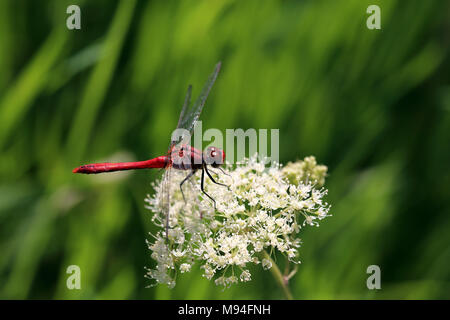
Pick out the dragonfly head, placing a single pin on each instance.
(214, 156)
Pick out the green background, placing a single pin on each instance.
(373, 105)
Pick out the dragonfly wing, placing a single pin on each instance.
(187, 102)
(164, 199)
(183, 138)
(188, 119)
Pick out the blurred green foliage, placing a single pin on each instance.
(371, 104)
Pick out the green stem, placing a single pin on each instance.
(279, 277)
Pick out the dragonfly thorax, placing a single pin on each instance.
(186, 157)
(214, 157)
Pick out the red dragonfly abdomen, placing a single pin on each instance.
(159, 162)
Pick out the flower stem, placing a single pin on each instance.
(279, 277)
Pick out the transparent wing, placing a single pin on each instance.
(187, 102)
(164, 199)
(183, 138)
(189, 118)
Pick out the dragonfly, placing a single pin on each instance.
(180, 155)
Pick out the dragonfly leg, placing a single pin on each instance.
(202, 185)
(184, 180)
(211, 170)
(212, 179)
(223, 171)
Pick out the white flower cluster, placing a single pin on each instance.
(262, 210)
